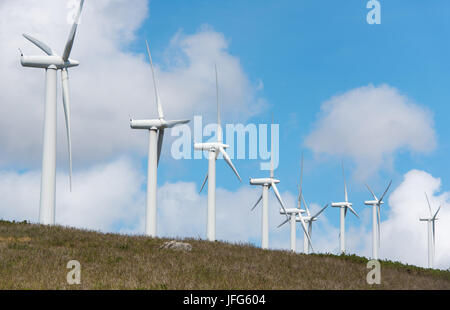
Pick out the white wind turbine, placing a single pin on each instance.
(295, 215)
(156, 129)
(431, 233)
(214, 149)
(376, 204)
(309, 219)
(52, 62)
(344, 206)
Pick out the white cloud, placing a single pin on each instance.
(104, 197)
(403, 236)
(19, 194)
(369, 124)
(110, 82)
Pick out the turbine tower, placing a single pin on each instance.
(52, 62)
(431, 233)
(295, 215)
(376, 204)
(156, 129)
(214, 149)
(344, 206)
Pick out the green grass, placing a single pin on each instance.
(35, 257)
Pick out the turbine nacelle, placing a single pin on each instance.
(373, 202)
(425, 220)
(146, 124)
(208, 146)
(47, 61)
(291, 211)
(154, 123)
(307, 219)
(428, 219)
(341, 204)
(264, 181)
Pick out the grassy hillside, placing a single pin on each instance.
(35, 257)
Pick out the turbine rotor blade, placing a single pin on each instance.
(204, 182)
(228, 161)
(285, 221)
(434, 217)
(219, 126)
(217, 154)
(318, 213)
(171, 124)
(271, 150)
(44, 47)
(217, 95)
(301, 183)
(305, 230)
(345, 184)
(160, 142)
(306, 206)
(73, 31)
(277, 194)
(158, 100)
(387, 188)
(256, 204)
(219, 134)
(353, 211)
(66, 105)
(373, 194)
(429, 206)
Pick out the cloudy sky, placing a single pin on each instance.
(373, 96)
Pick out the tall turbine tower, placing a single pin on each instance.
(431, 233)
(214, 148)
(344, 206)
(376, 204)
(156, 129)
(295, 215)
(52, 63)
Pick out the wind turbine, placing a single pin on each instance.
(156, 129)
(344, 206)
(431, 233)
(376, 204)
(309, 219)
(52, 62)
(214, 149)
(294, 215)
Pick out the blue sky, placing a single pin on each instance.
(306, 52)
(309, 56)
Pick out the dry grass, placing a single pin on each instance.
(35, 257)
